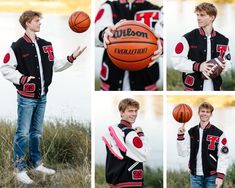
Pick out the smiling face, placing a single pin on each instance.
(34, 24)
(129, 114)
(204, 115)
(203, 19)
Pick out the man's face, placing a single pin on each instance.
(35, 24)
(129, 114)
(204, 114)
(204, 19)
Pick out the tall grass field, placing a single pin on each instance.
(65, 146)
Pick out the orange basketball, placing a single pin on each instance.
(132, 45)
(79, 21)
(182, 113)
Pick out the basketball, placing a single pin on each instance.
(132, 46)
(79, 21)
(182, 113)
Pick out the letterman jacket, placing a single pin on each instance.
(22, 61)
(191, 51)
(110, 13)
(214, 150)
(127, 172)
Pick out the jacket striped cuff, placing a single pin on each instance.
(23, 80)
(220, 175)
(196, 67)
(180, 136)
(140, 134)
(70, 58)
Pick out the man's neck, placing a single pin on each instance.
(31, 34)
(208, 30)
(203, 124)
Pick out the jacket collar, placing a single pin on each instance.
(207, 126)
(126, 123)
(202, 32)
(27, 39)
(136, 1)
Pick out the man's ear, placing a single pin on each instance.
(213, 18)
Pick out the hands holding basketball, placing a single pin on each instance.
(131, 45)
(109, 33)
(156, 54)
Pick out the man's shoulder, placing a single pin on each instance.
(43, 41)
(192, 129)
(216, 129)
(218, 34)
(193, 32)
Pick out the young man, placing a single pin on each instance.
(110, 13)
(29, 65)
(197, 47)
(126, 149)
(208, 150)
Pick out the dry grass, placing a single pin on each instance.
(66, 147)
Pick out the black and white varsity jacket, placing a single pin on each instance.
(191, 51)
(126, 172)
(22, 61)
(111, 12)
(214, 150)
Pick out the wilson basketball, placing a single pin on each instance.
(182, 113)
(132, 45)
(79, 21)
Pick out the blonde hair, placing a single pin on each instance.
(128, 102)
(28, 16)
(206, 105)
(209, 8)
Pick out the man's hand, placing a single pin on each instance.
(109, 33)
(218, 182)
(138, 130)
(30, 78)
(206, 67)
(156, 54)
(78, 52)
(181, 130)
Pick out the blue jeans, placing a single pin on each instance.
(202, 182)
(28, 131)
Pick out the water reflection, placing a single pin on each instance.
(149, 118)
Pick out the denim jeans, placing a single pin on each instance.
(28, 131)
(202, 182)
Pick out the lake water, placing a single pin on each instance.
(70, 92)
(105, 113)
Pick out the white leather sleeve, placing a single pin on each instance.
(137, 147)
(8, 68)
(223, 155)
(61, 64)
(105, 20)
(180, 59)
(183, 146)
(227, 58)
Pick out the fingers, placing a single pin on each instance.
(78, 51)
(30, 78)
(82, 50)
(151, 64)
(108, 33)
